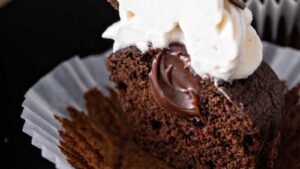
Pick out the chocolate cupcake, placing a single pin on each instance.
(193, 86)
(222, 109)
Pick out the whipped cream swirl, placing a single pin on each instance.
(217, 34)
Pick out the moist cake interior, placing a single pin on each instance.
(226, 134)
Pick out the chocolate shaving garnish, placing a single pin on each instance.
(238, 3)
(173, 85)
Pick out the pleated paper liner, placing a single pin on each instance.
(284, 61)
(66, 85)
(277, 21)
(62, 87)
(289, 10)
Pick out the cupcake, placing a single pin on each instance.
(192, 84)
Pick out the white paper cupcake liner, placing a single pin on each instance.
(287, 9)
(66, 84)
(284, 61)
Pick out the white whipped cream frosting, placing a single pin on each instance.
(217, 34)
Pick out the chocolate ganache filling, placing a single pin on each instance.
(173, 84)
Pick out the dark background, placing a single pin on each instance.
(36, 35)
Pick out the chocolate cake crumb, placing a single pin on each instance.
(99, 139)
(243, 131)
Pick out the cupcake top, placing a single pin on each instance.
(217, 33)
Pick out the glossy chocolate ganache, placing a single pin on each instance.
(172, 83)
(177, 88)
